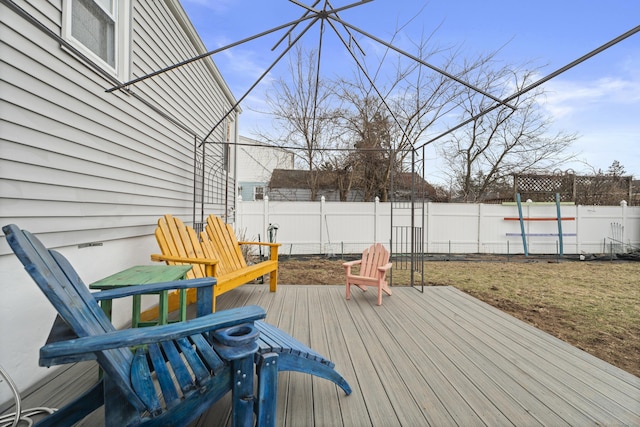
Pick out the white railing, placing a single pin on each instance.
(348, 227)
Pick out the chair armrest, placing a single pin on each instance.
(273, 248)
(205, 261)
(347, 266)
(351, 263)
(385, 267)
(58, 352)
(273, 245)
(128, 291)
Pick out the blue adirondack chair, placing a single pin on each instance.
(195, 362)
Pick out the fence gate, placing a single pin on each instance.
(408, 225)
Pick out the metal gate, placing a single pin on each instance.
(407, 227)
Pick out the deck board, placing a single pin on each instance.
(369, 362)
(453, 364)
(351, 413)
(439, 358)
(323, 409)
(566, 373)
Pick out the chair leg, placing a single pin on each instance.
(242, 392)
(348, 290)
(267, 372)
(273, 280)
(386, 288)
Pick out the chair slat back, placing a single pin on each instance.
(210, 251)
(372, 258)
(176, 239)
(224, 239)
(61, 284)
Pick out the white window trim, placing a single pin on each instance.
(122, 67)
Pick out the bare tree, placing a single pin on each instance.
(369, 130)
(505, 141)
(342, 169)
(305, 114)
(385, 112)
(389, 109)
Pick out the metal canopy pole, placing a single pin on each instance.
(413, 219)
(206, 54)
(373, 85)
(420, 61)
(330, 15)
(273, 64)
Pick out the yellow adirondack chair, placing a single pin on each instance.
(218, 254)
(180, 245)
(373, 268)
(222, 240)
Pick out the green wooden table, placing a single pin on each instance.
(145, 274)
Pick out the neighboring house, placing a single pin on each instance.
(89, 171)
(255, 165)
(293, 185)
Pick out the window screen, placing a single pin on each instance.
(93, 24)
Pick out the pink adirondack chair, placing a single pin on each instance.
(373, 268)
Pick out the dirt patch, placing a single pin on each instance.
(311, 271)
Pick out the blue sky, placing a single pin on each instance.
(599, 99)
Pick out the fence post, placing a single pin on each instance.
(427, 236)
(578, 216)
(480, 213)
(322, 224)
(623, 205)
(376, 212)
(239, 216)
(265, 216)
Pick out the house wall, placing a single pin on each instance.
(255, 165)
(79, 165)
(459, 228)
(247, 189)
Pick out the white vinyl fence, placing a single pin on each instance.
(348, 227)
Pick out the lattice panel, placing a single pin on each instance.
(543, 188)
(582, 190)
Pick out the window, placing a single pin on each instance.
(258, 193)
(100, 29)
(93, 25)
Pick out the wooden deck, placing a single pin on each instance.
(440, 358)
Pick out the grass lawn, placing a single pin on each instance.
(594, 305)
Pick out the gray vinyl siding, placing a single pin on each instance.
(79, 164)
(201, 103)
